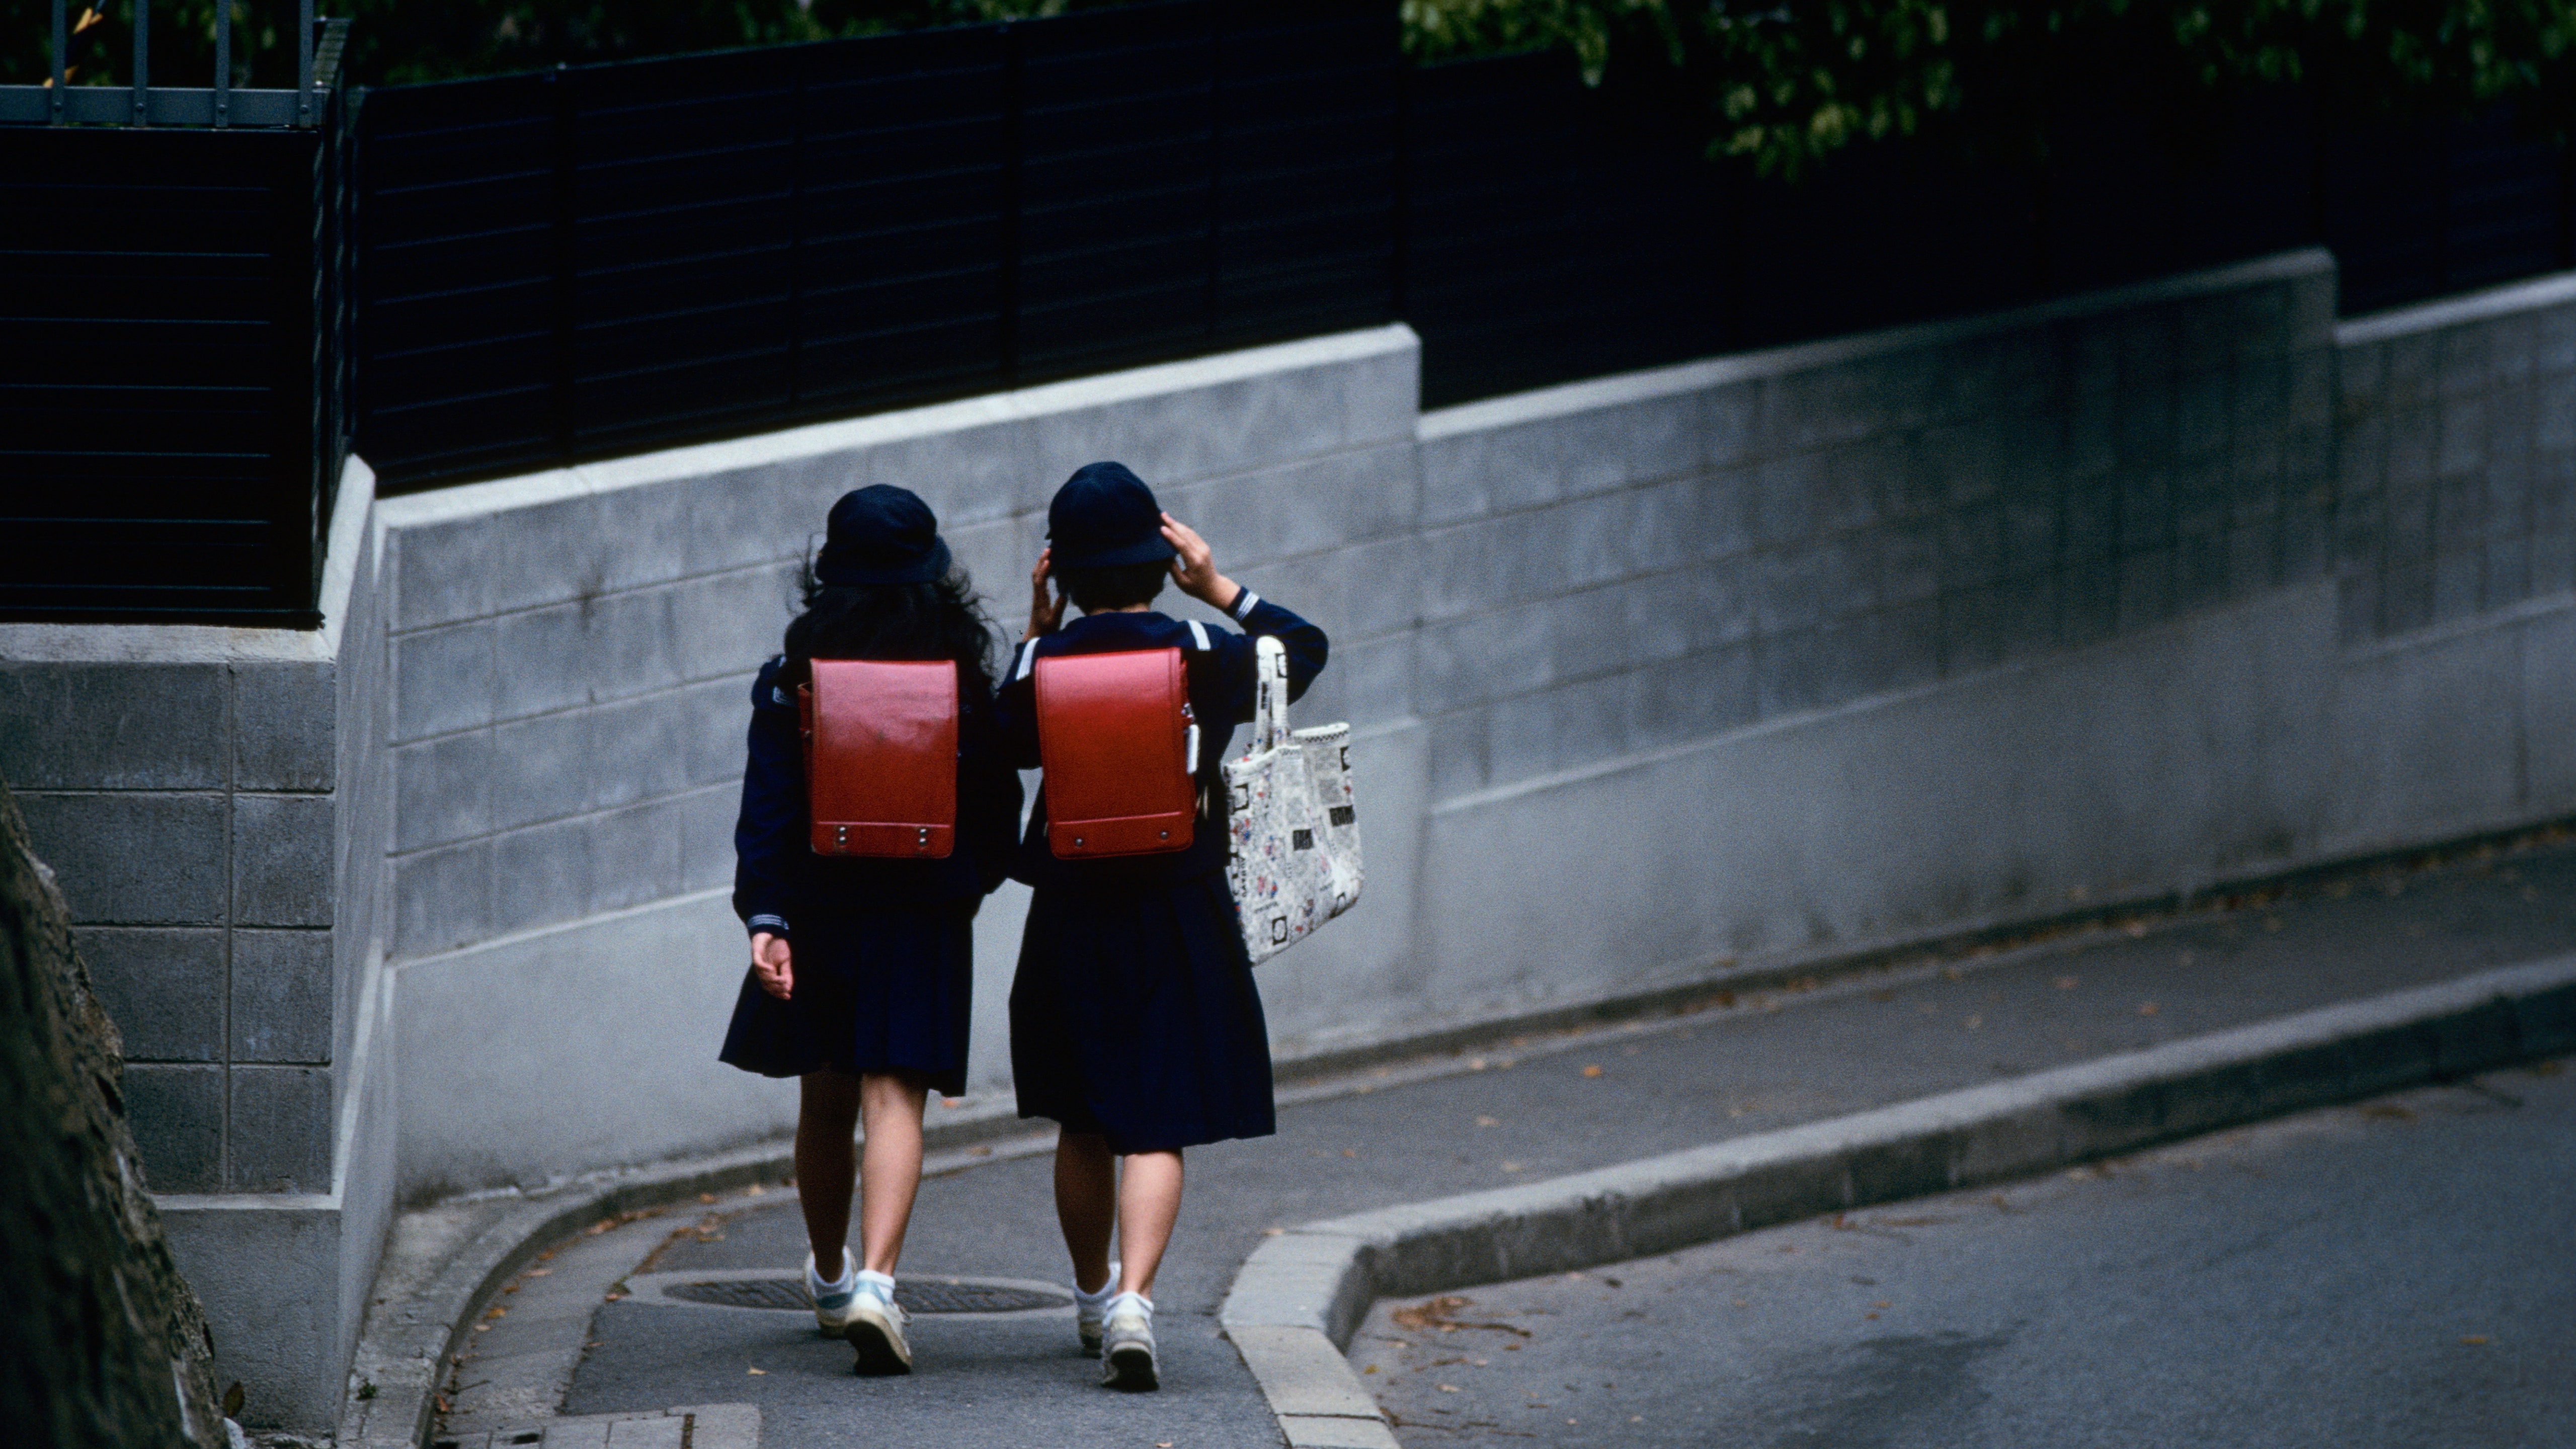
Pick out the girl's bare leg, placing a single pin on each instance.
(890, 1168)
(1086, 1204)
(1149, 1202)
(827, 1114)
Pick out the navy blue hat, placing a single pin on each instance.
(1105, 515)
(881, 535)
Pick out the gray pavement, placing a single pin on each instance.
(2398, 1273)
(1519, 1110)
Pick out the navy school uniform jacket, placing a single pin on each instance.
(1218, 665)
(778, 879)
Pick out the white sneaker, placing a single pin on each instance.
(876, 1327)
(831, 1300)
(1090, 1308)
(1127, 1344)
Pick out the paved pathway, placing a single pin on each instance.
(1517, 1111)
(2383, 1276)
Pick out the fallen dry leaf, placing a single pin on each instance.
(1591, 1071)
(2064, 983)
(1440, 1313)
(2474, 1340)
(761, 1373)
(1447, 1388)
(2148, 1008)
(1488, 1122)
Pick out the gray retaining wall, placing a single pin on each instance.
(213, 801)
(1653, 677)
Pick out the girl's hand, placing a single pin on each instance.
(1195, 569)
(1046, 608)
(769, 962)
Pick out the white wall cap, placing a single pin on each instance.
(2494, 302)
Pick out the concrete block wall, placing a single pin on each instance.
(1626, 564)
(571, 659)
(200, 793)
(2458, 459)
(212, 800)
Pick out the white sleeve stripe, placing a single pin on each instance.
(1199, 636)
(1243, 606)
(1028, 659)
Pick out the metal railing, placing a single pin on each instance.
(223, 104)
(176, 301)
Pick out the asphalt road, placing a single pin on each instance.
(2400, 1273)
(1529, 1108)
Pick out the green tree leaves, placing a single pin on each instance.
(1790, 82)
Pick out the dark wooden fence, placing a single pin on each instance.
(173, 369)
(595, 260)
(606, 259)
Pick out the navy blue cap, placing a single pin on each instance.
(1105, 515)
(881, 535)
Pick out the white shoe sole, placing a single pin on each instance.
(1130, 1366)
(880, 1345)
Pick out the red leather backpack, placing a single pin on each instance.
(881, 757)
(1116, 740)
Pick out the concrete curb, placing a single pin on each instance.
(445, 1261)
(1299, 1296)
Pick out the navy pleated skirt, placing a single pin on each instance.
(875, 991)
(1134, 1015)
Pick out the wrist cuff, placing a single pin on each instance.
(774, 925)
(1244, 602)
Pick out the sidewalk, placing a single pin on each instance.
(1521, 1110)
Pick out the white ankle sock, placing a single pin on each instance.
(1142, 1303)
(880, 1284)
(1106, 1292)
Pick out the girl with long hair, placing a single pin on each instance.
(862, 970)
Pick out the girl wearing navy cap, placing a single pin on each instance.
(1134, 1021)
(862, 968)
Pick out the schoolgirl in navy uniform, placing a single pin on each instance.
(862, 969)
(1135, 1024)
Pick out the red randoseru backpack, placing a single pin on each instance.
(1116, 739)
(881, 757)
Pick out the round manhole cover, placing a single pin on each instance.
(914, 1295)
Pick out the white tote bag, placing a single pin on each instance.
(1293, 835)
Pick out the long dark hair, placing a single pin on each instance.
(941, 619)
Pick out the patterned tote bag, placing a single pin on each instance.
(1293, 859)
